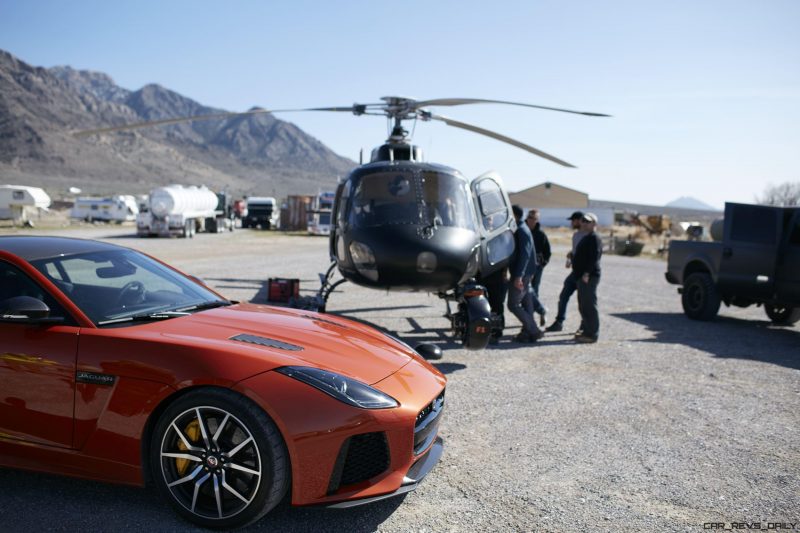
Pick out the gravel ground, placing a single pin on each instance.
(664, 425)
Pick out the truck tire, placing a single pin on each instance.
(700, 297)
(782, 315)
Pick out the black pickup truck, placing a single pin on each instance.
(757, 262)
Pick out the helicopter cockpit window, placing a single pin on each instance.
(494, 211)
(411, 198)
(446, 199)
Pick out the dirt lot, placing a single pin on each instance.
(664, 425)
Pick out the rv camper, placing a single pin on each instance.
(19, 203)
(123, 208)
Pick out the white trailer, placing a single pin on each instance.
(20, 202)
(121, 208)
(179, 210)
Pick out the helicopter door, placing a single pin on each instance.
(496, 222)
(337, 219)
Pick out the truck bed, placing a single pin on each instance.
(686, 256)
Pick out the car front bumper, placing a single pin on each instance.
(411, 481)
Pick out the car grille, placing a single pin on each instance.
(361, 457)
(427, 424)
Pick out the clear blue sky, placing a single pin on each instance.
(705, 93)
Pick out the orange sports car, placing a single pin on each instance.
(117, 367)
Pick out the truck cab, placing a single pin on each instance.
(756, 263)
(262, 211)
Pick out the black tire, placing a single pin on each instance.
(249, 483)
(700, 297)
(782, 315)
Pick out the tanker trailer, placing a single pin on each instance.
(179, 210)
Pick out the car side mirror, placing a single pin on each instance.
(25, 309)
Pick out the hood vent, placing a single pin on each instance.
(325, 321)
(263, 341)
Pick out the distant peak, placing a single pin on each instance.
(687, 202)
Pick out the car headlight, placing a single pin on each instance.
(344, 389)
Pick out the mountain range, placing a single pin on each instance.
(687, 202)
(41, 108)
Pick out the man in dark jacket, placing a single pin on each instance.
(542, 246)
(586, 271)
(570, 283)
(521, 270)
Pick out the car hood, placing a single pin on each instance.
(262, 338)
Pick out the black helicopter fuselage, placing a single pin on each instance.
(405, 225)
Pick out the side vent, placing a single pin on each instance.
(264, 341)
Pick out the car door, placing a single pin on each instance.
(750, 249)
(787, 276)
(496, 223)
(37, 368)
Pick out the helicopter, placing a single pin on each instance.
(402, 224)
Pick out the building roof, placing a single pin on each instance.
(548, 185)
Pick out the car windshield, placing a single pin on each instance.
(111, 286)
(419, 197)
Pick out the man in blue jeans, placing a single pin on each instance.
(571, 281)
(521, 269)
(542, 246)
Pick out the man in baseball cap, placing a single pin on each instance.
(570, 282)
(586, 271)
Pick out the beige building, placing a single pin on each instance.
(547, 195)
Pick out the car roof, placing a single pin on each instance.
(32, 248)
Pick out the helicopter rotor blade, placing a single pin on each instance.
(464, 101)
(499, 137)
(358, 109)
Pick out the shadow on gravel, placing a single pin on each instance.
(371, 309)
(262, 296)
(78, 505)
(118, 236)
(725, 337)
(449, 368)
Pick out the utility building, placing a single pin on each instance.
(547, 194)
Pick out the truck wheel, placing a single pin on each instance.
(700, 297)
(783, 315)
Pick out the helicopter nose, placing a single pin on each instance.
(426, 262)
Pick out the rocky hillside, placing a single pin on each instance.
(41, 108)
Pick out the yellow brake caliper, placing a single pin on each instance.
(192, 432)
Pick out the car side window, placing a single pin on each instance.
(14, 282)
(794, 237)
(755, 224)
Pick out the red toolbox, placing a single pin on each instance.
(282, 289)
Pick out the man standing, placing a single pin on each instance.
(521, 270)
(570, 283)
(586, 269)
(542, 246)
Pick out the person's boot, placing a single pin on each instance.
(555, 326)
